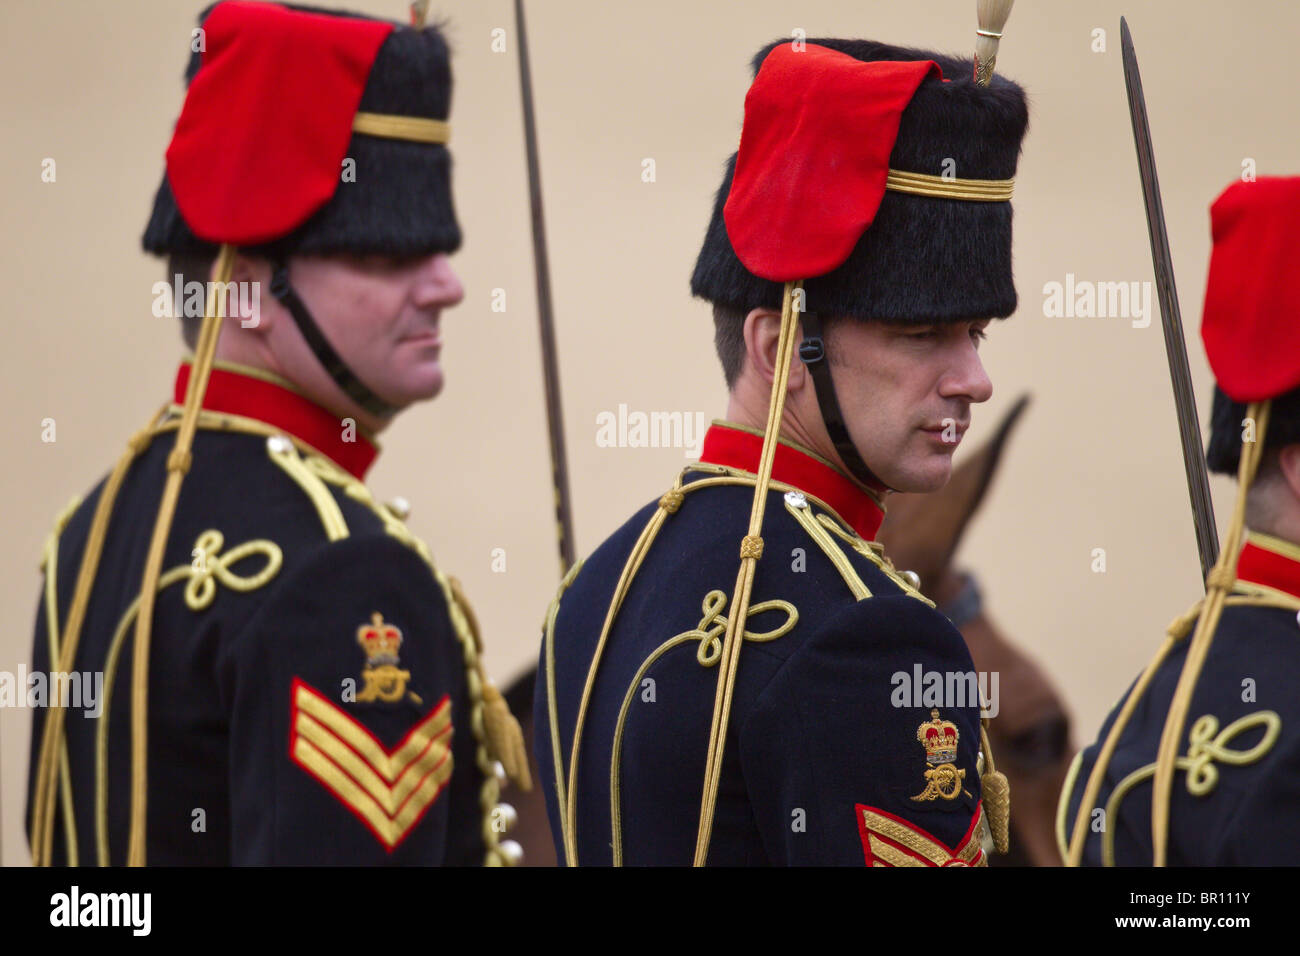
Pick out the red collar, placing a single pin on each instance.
(735, 448)
(236, 391)
(1270, 562)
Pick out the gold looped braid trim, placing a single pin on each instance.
(418, 129)
(938, 187)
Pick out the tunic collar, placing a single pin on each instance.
(735, 446)
(265, 397)
(1270, 562)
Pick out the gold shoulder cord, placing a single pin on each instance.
(708, 634)
(201, 577)
(50, 566)
(52, 740)
(552, 707)
(178, 463)
(750, 551)
(668, 505)
(801, 512)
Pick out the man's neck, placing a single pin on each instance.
(746, 409)
(318, 387)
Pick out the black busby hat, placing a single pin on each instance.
(924, 258)
(1223, 453)
(399, 202)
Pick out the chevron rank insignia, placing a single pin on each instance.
(888, 840)
(389, 790)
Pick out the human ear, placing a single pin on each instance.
(248, 299)
(762, 340)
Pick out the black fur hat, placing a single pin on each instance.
(922, 260)
(400, 203)
(1223, 454)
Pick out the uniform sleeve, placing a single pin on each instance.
(852, 754)
(1265, 829)
(350, 738)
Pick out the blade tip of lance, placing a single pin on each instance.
(419, 13)
(992, 16)
(1125, 37)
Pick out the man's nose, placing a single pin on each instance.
(438, 283)
(967, 378)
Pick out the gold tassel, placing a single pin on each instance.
(505, 738)
(997, 798)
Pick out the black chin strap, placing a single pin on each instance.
(329, 359)
(812, 352)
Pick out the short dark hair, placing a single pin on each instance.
(729, 340)
(191, 267)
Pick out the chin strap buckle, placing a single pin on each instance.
(812, 350)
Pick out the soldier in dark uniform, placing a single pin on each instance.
(1221, 689)
(291, 679)
(685, 712)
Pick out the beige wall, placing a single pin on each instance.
(1096, 463)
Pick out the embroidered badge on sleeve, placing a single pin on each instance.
(389, 790)
(384, 679)
(943, 781)
(888, 840)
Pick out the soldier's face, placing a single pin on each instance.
(906, 394)
(383, 316)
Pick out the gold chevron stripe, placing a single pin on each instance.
(389, 830)
(888, 854)
(389, 792)
(389, 765)
(880, 828)
(390, 798)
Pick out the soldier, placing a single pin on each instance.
(288, 678)
(1218, 700)
(881, 176)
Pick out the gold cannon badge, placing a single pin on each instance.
(384, 679)
(942, 778)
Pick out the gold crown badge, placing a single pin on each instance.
(940, 739)
(384, 679)
(380, 641)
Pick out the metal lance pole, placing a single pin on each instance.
(1189, 424)
(545, 315)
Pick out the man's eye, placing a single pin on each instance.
(979, 335)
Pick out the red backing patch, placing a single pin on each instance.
(1251, 323)
(814, 156)
(266, 124)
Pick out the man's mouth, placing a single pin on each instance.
(425, 337)
(949, 433)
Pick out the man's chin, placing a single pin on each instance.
(923, 477)
(417, 387)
